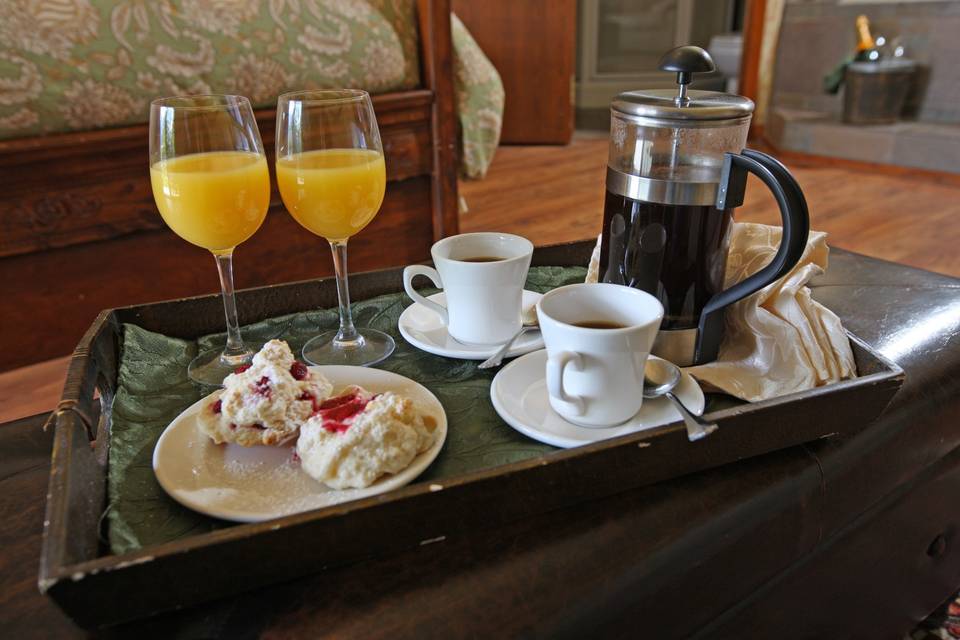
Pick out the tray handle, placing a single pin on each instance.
(91, 378)
(74, 407)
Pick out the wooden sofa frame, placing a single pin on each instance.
(79, 231)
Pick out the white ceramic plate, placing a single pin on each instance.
(252, 484)
(519, 394)
(422, 328)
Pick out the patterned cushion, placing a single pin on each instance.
(479, 102)
(68, 65)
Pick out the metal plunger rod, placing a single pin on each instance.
(684, 61)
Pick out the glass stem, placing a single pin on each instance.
(235, 347)
(347, 333)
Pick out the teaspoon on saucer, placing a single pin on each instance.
(659, 379)
(530, 323)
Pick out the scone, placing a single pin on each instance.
(266, 402)
(356, 437)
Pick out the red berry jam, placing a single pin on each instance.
(299, 370)
(257, 425)
(262, 387)
(233, 426)
(306, 395)
(338, 413)
(217, 406)
(242, 368)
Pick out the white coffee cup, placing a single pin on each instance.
(484, 299)
(595, 375)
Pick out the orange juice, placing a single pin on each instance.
(214, 200)
(333, 192)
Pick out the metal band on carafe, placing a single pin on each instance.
(660, 191)
(679, 346)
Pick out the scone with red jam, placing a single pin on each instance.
(266, 402)
(356, 437)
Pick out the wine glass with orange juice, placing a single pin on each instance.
(212, 187)
(332, 179)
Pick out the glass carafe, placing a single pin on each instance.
(676, 170)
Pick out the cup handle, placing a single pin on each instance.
(556, 365)
(411, 272)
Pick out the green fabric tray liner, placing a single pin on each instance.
(152, 389)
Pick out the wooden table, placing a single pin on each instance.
(856, 537)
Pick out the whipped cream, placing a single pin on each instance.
(267, 402)
(356, 437)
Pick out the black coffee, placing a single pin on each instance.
(678, 253)
(481, 259)
(599, 324)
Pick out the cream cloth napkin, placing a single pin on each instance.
(778, 340)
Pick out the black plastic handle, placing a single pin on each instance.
(793, 241)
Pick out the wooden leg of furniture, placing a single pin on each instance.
(437, 74)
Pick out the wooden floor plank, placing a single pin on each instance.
(30, 390)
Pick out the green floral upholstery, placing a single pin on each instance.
(69, 65)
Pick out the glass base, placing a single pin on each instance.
(372, 347)
(211, 367)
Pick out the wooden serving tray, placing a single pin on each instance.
(97, 588)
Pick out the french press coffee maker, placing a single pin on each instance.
(677, 168)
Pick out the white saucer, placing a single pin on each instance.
(519, 394)
(422, 328)
(252, 484)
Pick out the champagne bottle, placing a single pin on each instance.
(866, 51)
(866, 45)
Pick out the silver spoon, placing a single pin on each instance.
(530, 323)
(659, 379)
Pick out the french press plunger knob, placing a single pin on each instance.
(686, 61)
